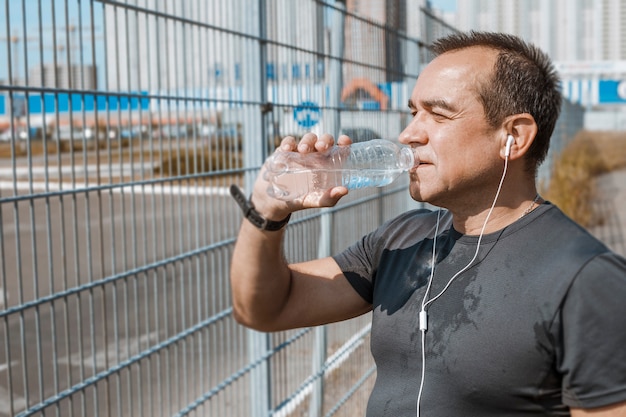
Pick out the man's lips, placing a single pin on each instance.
(421, 165)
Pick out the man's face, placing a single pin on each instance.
(459, 151)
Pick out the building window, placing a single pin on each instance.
(270, 71)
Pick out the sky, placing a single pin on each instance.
(445, 5)
(24, 26)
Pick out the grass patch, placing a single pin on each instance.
(178, 161)
(574, 171)
(50, 147)
(7, 150)
(182, 162)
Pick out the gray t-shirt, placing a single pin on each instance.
(536, 324)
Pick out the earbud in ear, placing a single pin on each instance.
(509, 142)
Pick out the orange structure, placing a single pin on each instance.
(369, 87)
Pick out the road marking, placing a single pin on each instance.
(19, 403)
(25, 172)
(153, 189)
(5, 366)
(115, 352)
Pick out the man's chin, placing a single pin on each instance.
(417, 195)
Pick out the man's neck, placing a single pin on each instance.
(503, 214)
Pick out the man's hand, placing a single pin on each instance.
(275, 209)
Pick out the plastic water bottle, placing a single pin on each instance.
(374, 163)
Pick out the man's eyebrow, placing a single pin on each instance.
(433, 103)
(438, 103)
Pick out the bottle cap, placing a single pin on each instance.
(408, 158)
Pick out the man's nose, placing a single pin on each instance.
(414, 133)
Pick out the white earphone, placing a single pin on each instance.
(509, 142)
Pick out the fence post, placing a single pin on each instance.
(332, 124)
(254, 154)
(411, 70)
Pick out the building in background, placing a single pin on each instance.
(75, 76)
(376, 46)
(585, 38)
(130, 67)
(569, 30)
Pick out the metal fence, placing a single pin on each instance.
(122, 125)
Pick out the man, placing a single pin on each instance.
(496, 305)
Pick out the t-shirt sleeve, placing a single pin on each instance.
(360, 262)
(358, 266)
(593, 361)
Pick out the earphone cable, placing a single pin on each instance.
(480, 237)
(423, 316)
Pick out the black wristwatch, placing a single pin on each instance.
(253, 216)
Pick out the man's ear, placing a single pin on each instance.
(523, 128)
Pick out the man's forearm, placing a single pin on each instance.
(260, 277)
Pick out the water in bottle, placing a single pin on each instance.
(374, 163)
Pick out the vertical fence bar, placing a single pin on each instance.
(253, 156)
(332, 123)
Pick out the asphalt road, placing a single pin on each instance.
(56, 249)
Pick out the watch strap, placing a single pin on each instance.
(253, 216)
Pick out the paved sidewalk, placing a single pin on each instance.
(611, 202)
